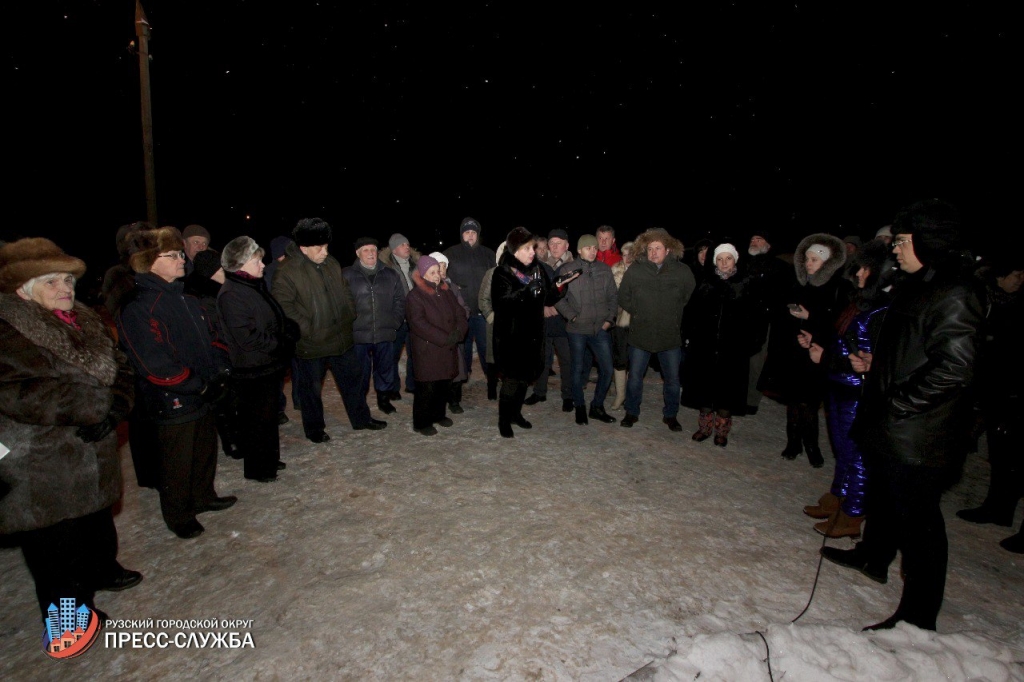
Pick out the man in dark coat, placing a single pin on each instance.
(769, 280)
(467, 262)
(654, 292)
(916, 410)
(380, 311)
(313, 292)
(182, 370)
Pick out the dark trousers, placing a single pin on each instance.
(510, 400)
(144, 446)
(429, 402)
(309, 375)
(258, 429)
(70, 558)
(556, 345)
(188, 465)
(401, 340)
(378, 361)
(478, 333)
(904, 515)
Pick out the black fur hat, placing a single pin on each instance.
(934, 227)
(312, 232)
(516, 239)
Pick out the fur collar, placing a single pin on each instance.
(834, 264)
(90, 350)
(427, 286)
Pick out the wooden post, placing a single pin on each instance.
(142, 31)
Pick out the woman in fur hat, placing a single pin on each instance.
(520, 288)
(64, 388)
(813, 306)
(261, 343)
(843, 505)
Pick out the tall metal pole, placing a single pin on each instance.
(142, 32)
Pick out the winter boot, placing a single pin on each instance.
(620, 389)
(828, 504)
(504, 418)
(809, 435)
(492, 382)
(455, 398)
(986, 514)
(705, 425)
(814, 456)
(384, 404)
(581, 416)
(793, 446)
(600, 415)
(1014, 543)
(723, 425)
(519, 420)
(840, 526)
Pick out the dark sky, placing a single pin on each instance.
(385, 117)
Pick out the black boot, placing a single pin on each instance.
(492, 382)
(809, 435)
(455, 398)
(814, 456)
(504, 418)
(384, 404)
(581, 415)
(793, 446)
(598, 413)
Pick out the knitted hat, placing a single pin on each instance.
(822, 251)
(853, 239)
(518, 237)
(206, 266)
(196, 231)
(149, 244)
(237, 253)
(366, 241)
(884, 232)
(424, 264)
(440, 258)
(557, 233)
(469, 224)
(727, 248)
(397, 239)
(312, 232)
(586, 240)
(762, 232)
(28, 258)
(278, 246)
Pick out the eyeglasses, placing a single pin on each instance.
(177, 254)
(898, 244)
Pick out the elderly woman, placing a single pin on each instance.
(721, 338)
(620, 332)
(437, 322)
(813, 306)
(455, 394)
(520, 288)
(261, 342)
(64, 388)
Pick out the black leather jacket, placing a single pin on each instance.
(917, 402)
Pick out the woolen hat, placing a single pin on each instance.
(557, 233)
(469, 224)
(196, 231)
(366, 241)
(207, 265)
(884, 232)
(312, 232)
(853, 239)
(424, 264)
(440, 257)
(727, 248)
(147, 246)
(237, 253)
(823, 252)
(586, 240)
(397, 239)
(516, 239)
(33, 257)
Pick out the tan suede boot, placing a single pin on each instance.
(620, 389)
(828, 504)
(840, 526)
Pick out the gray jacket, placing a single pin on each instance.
(592, 298)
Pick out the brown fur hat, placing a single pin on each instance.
(147, 245)
(25, 259)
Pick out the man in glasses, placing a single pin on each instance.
(181, 373)
(913, 420)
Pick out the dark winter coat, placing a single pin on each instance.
(770, 279)
(466, 267)
(519, 317)
(260, 339)
(655, 300)
(437, 322)
(591, 299)
(380, 303)
(172, 347)
(54, 379)
(722, 334)
(788, 371)
(318, 298)
(917, 401)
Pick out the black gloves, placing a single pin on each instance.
(216, 390)
(535, 288)
(97, 432)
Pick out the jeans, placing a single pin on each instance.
(378, 360)
(477, 332)
(348, 375)
(600, 347)
(670, 360)
(401, 338)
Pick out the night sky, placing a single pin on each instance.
(384, 117)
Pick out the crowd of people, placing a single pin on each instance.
(904, 340)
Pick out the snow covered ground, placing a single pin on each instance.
(567, 553)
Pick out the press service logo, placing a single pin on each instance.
(70, 630)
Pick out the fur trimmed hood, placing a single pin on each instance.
(834, 264)
(656, 234)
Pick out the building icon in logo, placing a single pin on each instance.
(70, 630)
